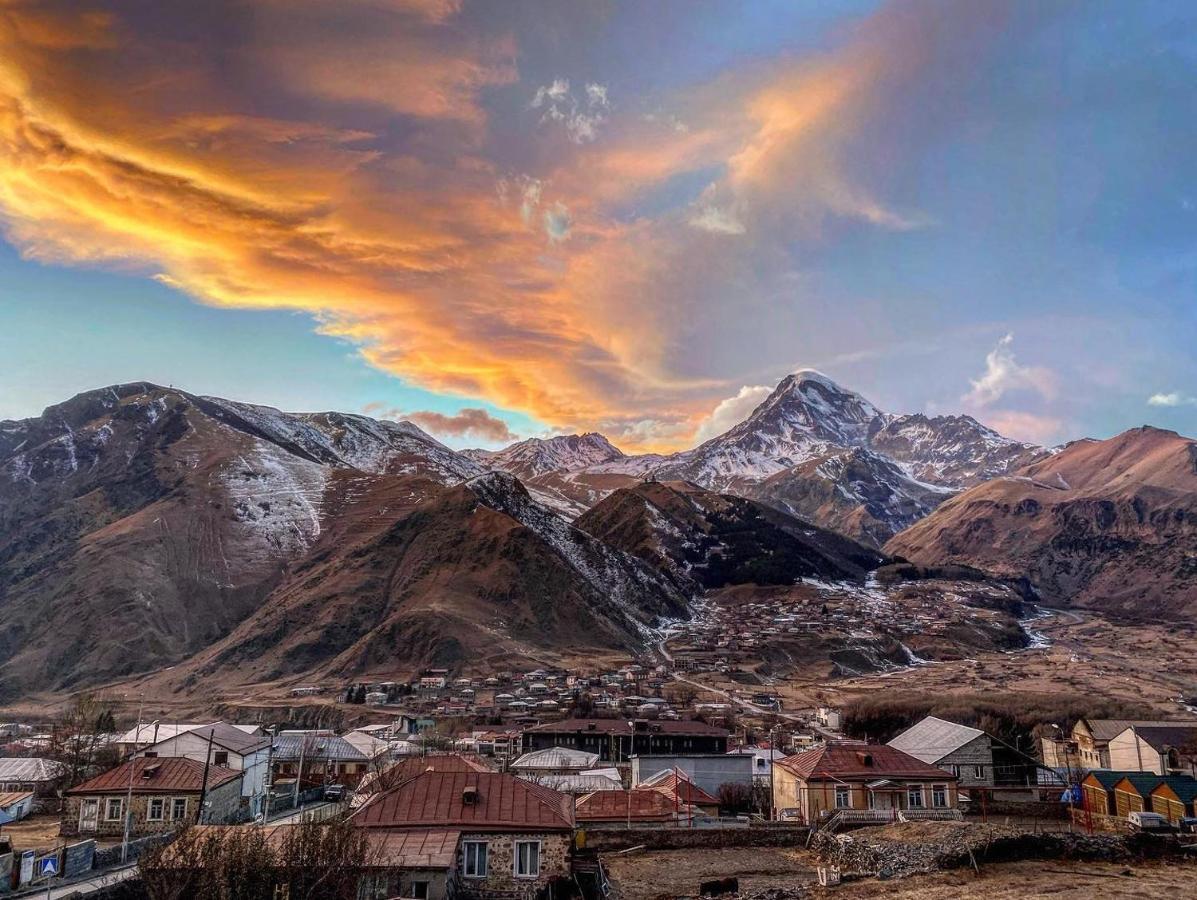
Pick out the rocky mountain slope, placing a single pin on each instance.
(708, 540)
(140, 524)
(1109, 524)
(813, 449)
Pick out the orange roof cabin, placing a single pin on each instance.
(874, 780)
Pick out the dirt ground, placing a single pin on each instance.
(34, 833)
(677, 873)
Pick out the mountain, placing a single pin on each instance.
(537, 456)
(812, 448)
(855, 492)
(141, 524)
(1108, 524)
(709, 540)
(471, 572)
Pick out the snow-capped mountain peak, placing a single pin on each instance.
(562, 453)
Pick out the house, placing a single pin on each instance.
(1097, 790)
(1163, 749)
(763, 758)
(617, 740)
(315, 758)
(1175, 797)
(707, 772)
(1092, 738)
(511, 838)
(638, 806)
(40, 776)
(15, 805)
(166, 793)
(409, 767)
(843, 775)
(226, 746)
(977, 759)
(577, 783)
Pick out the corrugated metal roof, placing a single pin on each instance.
(1163, 737)
(224, 736)
(638, 804)
(439, 798)
(432, 849)
(29, 768)
(846, 761)
(157, 774)
(933, 738)
(1105, 729)
(12, 798)
(667, 781)
(556, 758)
(316, 745)
(577, 783)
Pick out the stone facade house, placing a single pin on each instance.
(851, 775)
(166, 793)
(979, 761)
(513, 839)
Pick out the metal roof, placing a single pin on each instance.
(638, 804)
(847, 762)
(621, 727)
(475, 800)
(578, 783)
(26, 768)
(315, 745)
(556, 758)
(11, 798)
(1182, 736)
(1105, 729)
(157, 774)
(933, 738)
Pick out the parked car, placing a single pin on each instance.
(1148, 821)
(1188, 824)
(334, 792)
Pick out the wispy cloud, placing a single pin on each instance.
(581, 113)
(1004, 374)
(468, 422)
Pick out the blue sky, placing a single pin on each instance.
(606, 216)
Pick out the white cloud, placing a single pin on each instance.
(732, 411)
(1175, 398)
(716, 220)
(581, 114)
(1003, 374)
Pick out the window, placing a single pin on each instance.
(956, 771)
(843, 796)
(156, 809)
(475, 858)
(419, 890)
(220, 758)
(178, 808)
(113, 808)
(978, 772)
(939, 795)
(527, 859)
(914, 796)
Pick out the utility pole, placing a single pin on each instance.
(268, 781)
(772, 760)
(129, 794)
(303, 743)
(199, 813)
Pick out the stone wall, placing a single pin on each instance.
(501, 880)
(225, 806)
(777, 835)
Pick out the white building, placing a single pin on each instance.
(230, 747)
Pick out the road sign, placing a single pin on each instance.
(47, 867)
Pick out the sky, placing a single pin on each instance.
(512, 219)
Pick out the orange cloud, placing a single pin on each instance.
(331, 157)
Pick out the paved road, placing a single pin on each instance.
(87, 886)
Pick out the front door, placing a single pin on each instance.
(89, 814)
(881, 800)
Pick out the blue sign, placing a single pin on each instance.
(47, 867)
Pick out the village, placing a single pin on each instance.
(555, 783)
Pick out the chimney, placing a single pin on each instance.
(866, 759)
(469, 796)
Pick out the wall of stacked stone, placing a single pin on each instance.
(606, 840)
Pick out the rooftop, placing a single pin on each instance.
(933, 738)
(556, 758)
(639, 804)
(621, 727)
(21, 768)
(478, 800)
(854, 761)
(155, 774)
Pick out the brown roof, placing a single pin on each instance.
(646, 804)
(154, 774)
(431, 849)
(621, 727)
(1182, 736)
(501, 802)
(411, 766)
(667, 782)
(847, 762)
(1106, 729)
(8, 798)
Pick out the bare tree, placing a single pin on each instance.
(79, 742)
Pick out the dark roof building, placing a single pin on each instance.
(617, 740)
